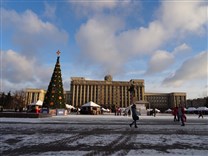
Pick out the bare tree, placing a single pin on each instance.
(19, 99)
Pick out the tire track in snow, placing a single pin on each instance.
(56, 145)
(122, 141)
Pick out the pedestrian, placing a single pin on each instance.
(77, 110)
(181, 115)
(129, 112)
(200, 114)
(154, 112)
(135, 117)
(119, 110)
(175, 112)
(115, 109)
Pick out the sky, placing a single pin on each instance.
(163, 42)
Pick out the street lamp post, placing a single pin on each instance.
(132, 93)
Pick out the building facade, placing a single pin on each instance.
(33, 95)
(164, 101)
(199, 102)
(107, 93)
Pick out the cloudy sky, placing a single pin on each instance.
(163, 42)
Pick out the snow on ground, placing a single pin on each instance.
(103, 135)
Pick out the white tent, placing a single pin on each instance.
(157, 110)
(70, 106)
(191, 109)
(90, 104)
(105, 110)
(38, 103)
(168, 110)
(202, 109)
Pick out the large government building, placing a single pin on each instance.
(106, 93)
(109, 93)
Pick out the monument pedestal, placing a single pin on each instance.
(142, 107)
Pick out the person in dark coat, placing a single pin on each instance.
(200, 114)
(154, 112)
(134, 116)
(175, 113)
(181, 113)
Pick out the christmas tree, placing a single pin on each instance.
(54, 97)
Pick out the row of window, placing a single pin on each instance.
(101, 100)
(103, 94)
(96, 91)
(157, 97)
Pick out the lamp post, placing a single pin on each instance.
(132, 93)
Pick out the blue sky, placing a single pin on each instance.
(163, 42)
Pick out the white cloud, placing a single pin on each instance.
(180, 17)
(27, 22)
(89, 8)
(103, 42)
(106, 41)
(16, 67)
(192, 69)
(30, 33)
(142, 40)
(50, 11)
(98, 42)
(17, 70)
(107, 45)
(182, 49)
(96, 5)
(160, 61)
(197, 90)
(172, 23)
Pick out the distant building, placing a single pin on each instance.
(109, 93)
(164, 101)
(115, 93)
(198, 102)
(106, 93)
(33, 95)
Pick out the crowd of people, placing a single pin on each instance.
(179, 114)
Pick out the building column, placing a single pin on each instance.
(73, 96)
(88, 94)
(106, 94)
(94, 96)
(31, 97)
(121, 95)
(80, 96)
(84, 92)
(76, 96)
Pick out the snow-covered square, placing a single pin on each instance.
(85, 135)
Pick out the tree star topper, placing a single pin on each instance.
(58, 53)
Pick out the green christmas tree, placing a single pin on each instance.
(54, 97)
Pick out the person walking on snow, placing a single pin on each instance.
(175, 112)
(134, 116)
(181, 114)
(200, 114)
